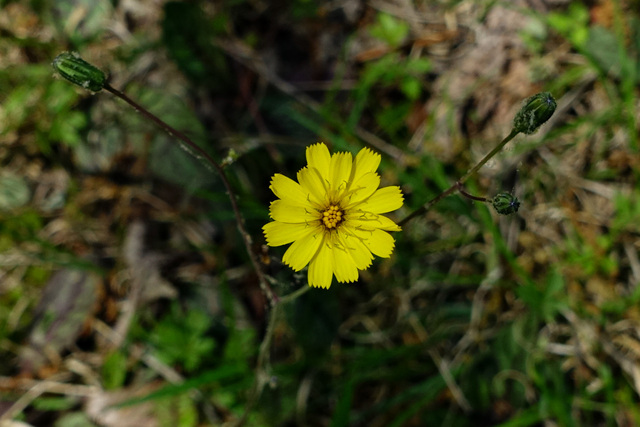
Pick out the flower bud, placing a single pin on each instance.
(75, 69)
(505, 203)
(535, 110)
(232, 156)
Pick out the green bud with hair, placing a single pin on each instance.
(505, 203)
(535, 110)
(78, 71)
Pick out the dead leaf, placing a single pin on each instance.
(102, 408)
(67, 302)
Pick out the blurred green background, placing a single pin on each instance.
(126, 294)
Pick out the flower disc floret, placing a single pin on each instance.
(332, 216)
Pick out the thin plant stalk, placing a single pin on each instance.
(459, 183)
(263, 364)
(535, 111)
(266, 289)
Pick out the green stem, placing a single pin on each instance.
(486, 158)
(170, 130)
(263, 364)
(458, 184)
(266, 289)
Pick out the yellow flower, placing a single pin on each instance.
(332, 215)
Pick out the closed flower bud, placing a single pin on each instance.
(77, 70)
(505, 203)
(534, 112)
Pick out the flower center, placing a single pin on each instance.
(332, 216)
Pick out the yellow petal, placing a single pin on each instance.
(287, 189)
(369, 221)
(366, 161)
(384, 200)
(362, 188)
(377, 241)
(312, 183)
(279, 233)
(284, 211)
(302, 250)
(358, 251)
(340, 171)
(318, 157)
(344, 267)
(321, 268)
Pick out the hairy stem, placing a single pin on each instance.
(266, 289)
(263, 365)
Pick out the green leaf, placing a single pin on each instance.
(527, 417)
(314, 317)
(604, 48)
(411, 87)
(180, 338)
(187, 33)
(178, 411)
(418, 66)
(391, 30)
(114, 370)
(343, 407)
(66, 128)
(225, 372)
(241, 346)
(14, 192)
(546, 299)
(74, 419)
(170, 158)
(573, 24)
(54, 403)
(82, 19)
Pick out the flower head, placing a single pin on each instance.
(505, 203)
(332, 215)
